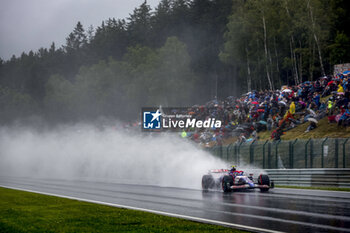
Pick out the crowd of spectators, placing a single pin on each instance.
(277, 111)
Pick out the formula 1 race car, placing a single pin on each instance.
(229, 180)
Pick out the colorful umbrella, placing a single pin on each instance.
(312, 120)
(282, 102)
(330, 83)
(311, 111)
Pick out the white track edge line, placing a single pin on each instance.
(242, 227)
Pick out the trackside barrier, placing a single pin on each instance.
(336, 177)
(284, 154)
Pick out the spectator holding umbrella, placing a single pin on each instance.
(242, 138)
(344, 118)
(340, 88)
(313, 124)
(330, 104)
(316, 99)
(276, 134)
(292, 108)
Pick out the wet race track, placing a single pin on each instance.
(284, 210)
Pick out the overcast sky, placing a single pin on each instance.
(30, 24)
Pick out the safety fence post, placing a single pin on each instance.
(306, 152)
(336, 152)
(233, 153)
(276, 155)
(228, 150)
(239, 154)
(344, 161)
(291, 156)
(322, 158)
(251, 152)
(269, 156)
(215, 150)
(221, 152)
(264, 154)
(290, 153)
(236, 151)
(311, 153)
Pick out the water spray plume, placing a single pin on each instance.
(83, 152)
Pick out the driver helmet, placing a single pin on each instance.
(233, 168)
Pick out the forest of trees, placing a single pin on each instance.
(181, 53)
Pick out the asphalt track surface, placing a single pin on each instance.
(283, 210)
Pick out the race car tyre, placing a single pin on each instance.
(207, 182)
(264, 180)
(227, 182)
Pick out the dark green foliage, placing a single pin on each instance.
(286, 42)
(76, 39)
(15, 104)
(340, 49)
(139, 25)
(146, 76)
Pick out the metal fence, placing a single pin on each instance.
(318, 177)
(299, 153)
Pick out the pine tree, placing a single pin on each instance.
(139, 25)
(76, 39)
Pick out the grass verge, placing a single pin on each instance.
(324, 129)
(30, 212)
(316, 188)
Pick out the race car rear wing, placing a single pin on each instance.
(218, 170)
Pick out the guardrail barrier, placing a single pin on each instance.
(318, 177)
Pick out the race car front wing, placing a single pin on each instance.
(247, 186)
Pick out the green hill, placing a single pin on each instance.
(323, 130)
